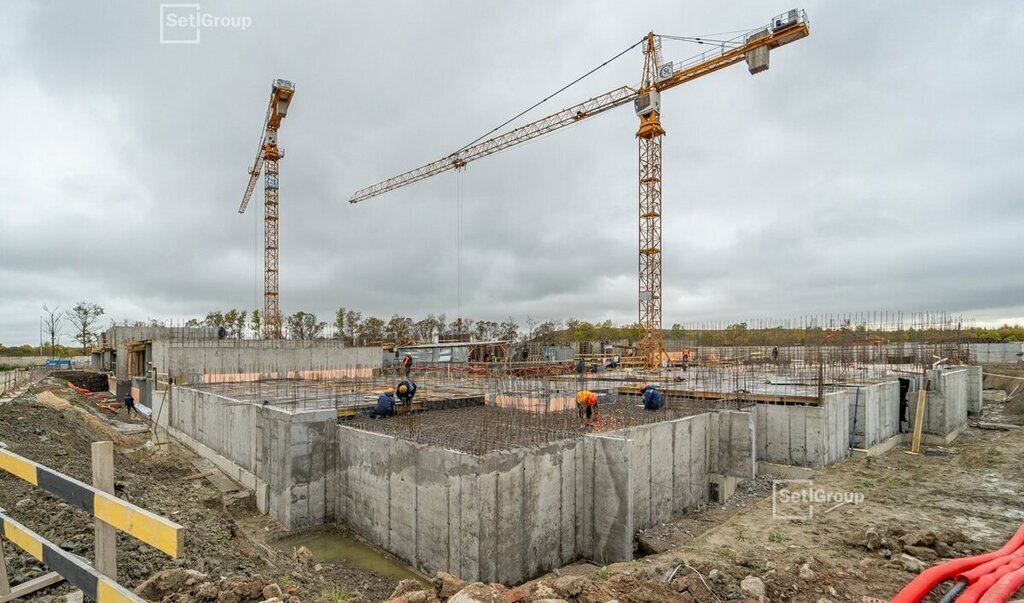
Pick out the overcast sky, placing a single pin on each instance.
(876, 166)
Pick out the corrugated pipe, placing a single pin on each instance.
(920, 586)
(977, 591)
(1004, 589)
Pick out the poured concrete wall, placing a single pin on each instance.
(510, 516)
(287, 459)
(947, 402)
(233, 360)
(997, 353)
(499, 517)
(809, 436)
(875, 413)
(975, 379)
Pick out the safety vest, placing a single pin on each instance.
(586, 398)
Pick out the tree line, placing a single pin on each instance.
(353, 328)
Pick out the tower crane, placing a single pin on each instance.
(268, 154)
(753, 47)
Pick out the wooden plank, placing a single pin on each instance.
(5, 584)
(72, 568)
(106, 535)
(140, 523)
(922, 400)
(26, 588)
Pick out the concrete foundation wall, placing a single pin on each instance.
(501, 517)
(288, 460)
(809, 436)
(233, 360)
(975, 380)
(946, 406)
(510, 516)
(877, 412)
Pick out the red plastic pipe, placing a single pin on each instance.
(1002, 590)
(976, 591)
(971, 576)
(920, 586)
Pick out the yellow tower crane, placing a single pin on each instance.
(753, 47)
(267, 157)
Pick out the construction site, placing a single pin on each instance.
(843, 457)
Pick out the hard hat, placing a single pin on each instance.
(403, 388)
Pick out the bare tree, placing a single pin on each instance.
(83, 317)
(53, 321)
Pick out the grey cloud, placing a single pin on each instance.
(875, 166)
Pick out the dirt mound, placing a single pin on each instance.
(94, 382)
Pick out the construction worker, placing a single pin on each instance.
(407, 365)
(129, 404)
(586, 407)
(385, 405)
(406, 390)
(652, 397)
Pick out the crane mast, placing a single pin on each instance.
(268, 155)
(651, 346)
(753, 47)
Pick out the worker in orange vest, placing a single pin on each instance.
(407, 364)
(586, 407)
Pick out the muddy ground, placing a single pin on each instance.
(55, 426)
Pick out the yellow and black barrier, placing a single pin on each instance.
(72, 568)
(152, 529)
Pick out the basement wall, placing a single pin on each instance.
(877, 412)
(808, 436)
(947, 403)
(287, 459)
(510, 516)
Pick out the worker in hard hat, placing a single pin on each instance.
(653, 399)
(406, 390)
(385, 405)
(586, 407)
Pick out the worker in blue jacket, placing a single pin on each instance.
(406, 390)
(385, 406)
(652, 397)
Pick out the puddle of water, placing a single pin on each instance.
(335, 547)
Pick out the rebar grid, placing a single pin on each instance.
(485, 429)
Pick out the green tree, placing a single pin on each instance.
(339, 323)
(507, 330)
(256, 323)
(304, 325)
(83, 317)
(353, 320)
(398, 329)
(371, 330)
